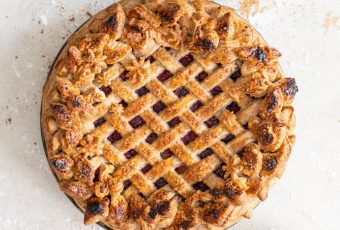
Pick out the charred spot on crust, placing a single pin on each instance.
(215, 213)
(200, 186)
(268, 138)
(270, 164)
(62, 111)
(111, 22)
(138, 29)
(273, 102)
(153, 213)
(185, 224)
(207, 44)
(169, 13)
(110, 25)
(224, 27)
(136, 213)
(85, 171)
(291, 88)
(95, 208)
(166, 16)
(161, 208)
(231, 192)
(60, 164)
(217, 192)
(137, 206)
(260, 54)
(76, 103)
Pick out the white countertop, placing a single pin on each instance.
(307, 32)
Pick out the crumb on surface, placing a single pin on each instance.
(8, 121)
(247, 6)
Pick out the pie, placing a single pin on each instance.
(167, 115)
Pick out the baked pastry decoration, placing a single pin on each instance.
(167, 114)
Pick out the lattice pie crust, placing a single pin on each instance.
(167, 114)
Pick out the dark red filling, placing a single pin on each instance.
(186, 60)
(127, 184)
(236, 75)
(142, 91)
(131, 153)
(240, 153)
(150, 58)
(123, 75)
(159, 106)
(160, 183)
(99, 122)
(219, 171)
(165, 75)
(233, 107)
(136, 122)
(151, 138)
(114, 137)
(216, 91)
(166, 154)
(228, 138)
(212, 122)
(181, 91)
(123, 103)
(174, 122)
(181, 169)
(107, 90)
(205, 153)
(196, 106)
(146, 168)
(201, 76)
(189, 137)
(200, 186)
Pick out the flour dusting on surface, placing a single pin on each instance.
(331, 21)
(248, 5)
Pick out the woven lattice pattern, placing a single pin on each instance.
(147, 131)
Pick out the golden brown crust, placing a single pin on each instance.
(167, 114)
